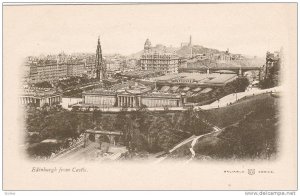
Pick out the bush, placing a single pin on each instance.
(44, 84)
(42, 149)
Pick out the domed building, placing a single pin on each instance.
(158, 60)
(147, 46)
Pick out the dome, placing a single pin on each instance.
(147, 44)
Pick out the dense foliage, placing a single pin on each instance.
(44, 84)
(153, 132)
(72, 82)
(142, 130)
(254, 136)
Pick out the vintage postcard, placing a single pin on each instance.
(150, 96)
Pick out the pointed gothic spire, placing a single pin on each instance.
(100, 66)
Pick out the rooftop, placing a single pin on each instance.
(223, 78)
(126, 87)
(188, 76)
(162, 94)
(100, 91)
(39, 92)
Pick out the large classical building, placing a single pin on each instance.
(39, 97)
(152, 60)
(132, 96)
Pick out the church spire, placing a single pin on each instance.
(100, 67)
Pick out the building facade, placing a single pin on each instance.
(162, 62)
(132, 97)
(271, 70)
(76, 69)
(99, 97)
(68, 102)
(159, 99)
(53, 71)
(49, 72)
(51, 68)
(40, 97)
(152, 60)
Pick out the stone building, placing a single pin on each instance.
(47, 71)
(160, 99)
(147, 46)
(99, 97)
(132, 96)
(76, 69)
(54, 70)
(271, 70)
(153, 60)
(40, 97)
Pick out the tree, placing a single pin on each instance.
(96, 116)
(253, 137)
(194, 122)
(75, 108)
(44, 84)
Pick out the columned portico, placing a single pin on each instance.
(40, 101)
(126, 100)
(134, 97)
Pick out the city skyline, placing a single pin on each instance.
(162, 24)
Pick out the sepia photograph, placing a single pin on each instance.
(103, 90)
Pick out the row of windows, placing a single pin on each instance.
(163, 66)
(158, 57)
(149, 102)
(100, 100)
(159, 102)
(160, 62)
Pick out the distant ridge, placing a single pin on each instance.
(185, 52)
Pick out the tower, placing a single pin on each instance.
(147, 45)
(100, 66)
(190, 43)
(227, 51)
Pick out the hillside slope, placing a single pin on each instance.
(250, 131)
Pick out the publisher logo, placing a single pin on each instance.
(251, 171)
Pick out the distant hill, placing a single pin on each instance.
(253, 62)
(185, 52)
(136, 55)
(158, 48)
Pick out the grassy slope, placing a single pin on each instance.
(229, 115)
(223, 117)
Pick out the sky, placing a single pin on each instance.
(249, 29)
